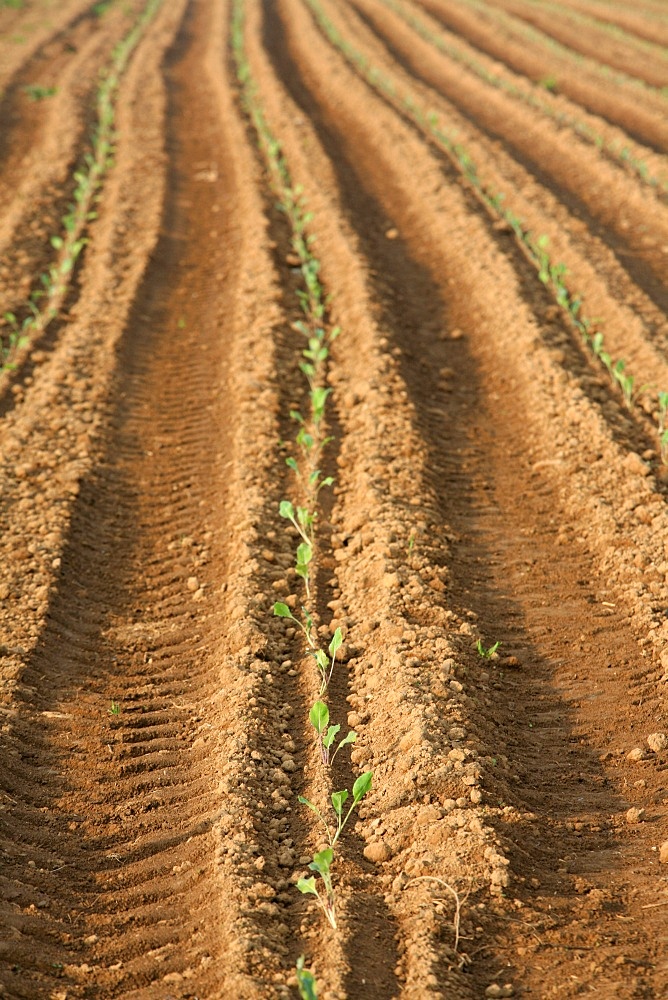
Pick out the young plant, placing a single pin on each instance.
(36, 92)
(305, 981)
(487, 654)
(326, 734)
(339, 799)
(322, 862)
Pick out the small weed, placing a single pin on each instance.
(115, 708)
(37, 93)
(487, 654)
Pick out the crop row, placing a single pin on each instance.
(48, 297)
(303, 510)
(615, 150)
(539, 38)
(551, 273)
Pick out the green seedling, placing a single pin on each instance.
(626, 384)
(115, 708)
(283, 611)
(304, 559)
(321, 864)
(305, 981)
(302, 519)
(324, 663)
(319, 719)
(487, 654)
(339, 799)
(36, 92)
(14, 341)
(549, 83)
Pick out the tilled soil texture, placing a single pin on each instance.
(485, 188)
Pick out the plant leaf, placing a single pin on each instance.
(337, 639)
(286, 509)
(282, 610)
(329, 738)
(319, 716)
(362, 785)
(338, 801)
(322, 861)
(307, 885)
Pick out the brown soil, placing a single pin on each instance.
(491, 486)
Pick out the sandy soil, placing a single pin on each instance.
(490, 486)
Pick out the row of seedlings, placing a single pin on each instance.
(48, 297)
(551, 273)
(302, 511)
(614, 150)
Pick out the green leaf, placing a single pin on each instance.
(350, 738)
(319, 716)
(338, 801)
(321, 659)
(282, 610)
(362, 785)
(304, 554)
(56, 242)
(329, 738)
(305, 981)
(306, 802)
(307, 885)
(322, 861)
(292, 464)
(335, 644)
(286, 509)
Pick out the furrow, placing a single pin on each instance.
(596, 40)
(149, 837)
(632, 325)
(639, 114)
(572, 173)
(26, 35)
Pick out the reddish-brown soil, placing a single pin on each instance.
(490, 485)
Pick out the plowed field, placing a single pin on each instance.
(463, 204)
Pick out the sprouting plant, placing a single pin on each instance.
(325, 664)
(321, 864)
(549, 83)
(339, 799)
(626, 383)
(36, 92)
(319, 719)
(15, 340)
(115, 708)
(301, 518)
(305, 981)
(487, 654)
(322, 860)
